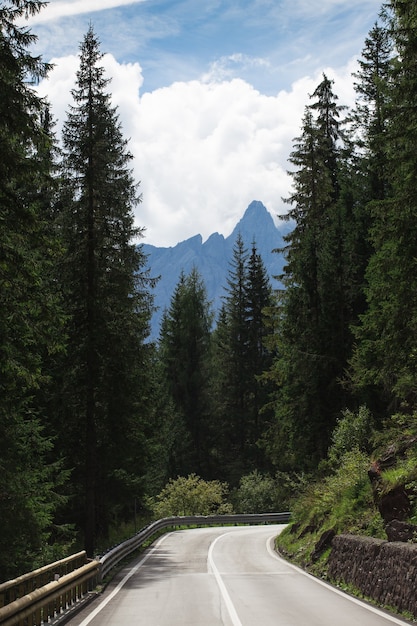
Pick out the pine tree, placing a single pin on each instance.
(318, 304)
(30, 318)
(369, 115)
(239, 358)
(184, 352)
(230, 367)
(259, 297)
(106, 289)
(370, 125)
(385, 356)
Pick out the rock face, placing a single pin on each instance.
(212, 258)
(383, 571)
(393, 504)
(323, 543)
(401, 531)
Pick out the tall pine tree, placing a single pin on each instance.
(386, 353)
(317, 306)
(106, 289)
(370, 125)
(239, 357)
(30, 318)
(259, 301)
(184, 351)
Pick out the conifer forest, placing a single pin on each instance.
(96, 419)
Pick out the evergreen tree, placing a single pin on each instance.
(184, 351)
(167, 439)
(30, 318)
(105, 377)
(369, 115)
(366, 175)
(318, 304)
(259, 297)
(385, 356)
(230, 368)
(239, 357)
(370, 126)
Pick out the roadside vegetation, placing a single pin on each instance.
(343, 499)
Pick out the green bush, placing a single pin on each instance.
(262, 493)
(191, 496)
(256, 494)
(352, 431)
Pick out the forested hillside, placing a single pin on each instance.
(95, 419)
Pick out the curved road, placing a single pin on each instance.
(223, 576)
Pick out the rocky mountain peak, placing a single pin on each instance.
(212, 258)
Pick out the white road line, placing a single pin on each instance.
(226, 597)
(371, 608)
(116, 590)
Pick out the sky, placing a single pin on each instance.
(209, 93)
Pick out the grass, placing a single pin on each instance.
(343, 501)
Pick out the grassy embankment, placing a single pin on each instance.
(343, 499)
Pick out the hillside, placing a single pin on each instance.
(212, 258)
(365, 493)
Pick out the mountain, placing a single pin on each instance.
(212, 259)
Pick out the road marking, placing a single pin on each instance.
(226, 597)
(365, 605)
(116, 590)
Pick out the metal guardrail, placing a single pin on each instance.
(21, 586)
(51, 600)
(54, 598)
(118, 553)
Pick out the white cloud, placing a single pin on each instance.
(57, 9)
(227, 67)
(202, 150)
(58, 86)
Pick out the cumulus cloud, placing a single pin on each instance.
(203, 150)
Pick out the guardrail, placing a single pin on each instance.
(118, 553)
(21, 586)
(54, 598)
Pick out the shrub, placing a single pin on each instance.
(191, 496)
(262, 493)
(352, 431)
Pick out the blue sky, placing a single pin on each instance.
(210, 93)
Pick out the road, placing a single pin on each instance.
(227, 577)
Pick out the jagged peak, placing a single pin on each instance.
(215, 237)
(256, 207)
(193, 242)
(256, 218)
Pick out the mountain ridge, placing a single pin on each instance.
(212, 259)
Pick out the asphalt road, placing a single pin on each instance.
(223, 576)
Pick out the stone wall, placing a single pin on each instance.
(383, 571)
